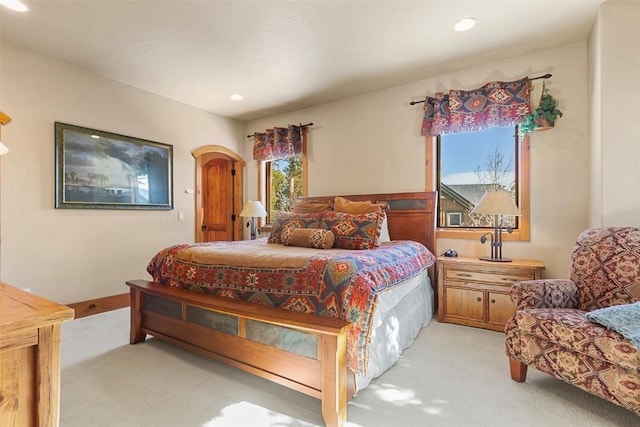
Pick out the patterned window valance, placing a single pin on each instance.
(494, 104)
(277, 143)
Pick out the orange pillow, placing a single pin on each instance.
(310, 206)
(341, 204)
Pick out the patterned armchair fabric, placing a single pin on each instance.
(553, 293)
(550, 330)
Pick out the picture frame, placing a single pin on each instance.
(103, 170)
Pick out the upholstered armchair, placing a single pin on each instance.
(551, 330)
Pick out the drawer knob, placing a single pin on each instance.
(479, 299)
(493, 301)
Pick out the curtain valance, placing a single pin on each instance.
(494, 104)
(277, 143)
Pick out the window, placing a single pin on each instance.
(468, 165)
(282, 168)
(284, 181)
(454, 219)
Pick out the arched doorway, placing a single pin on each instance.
(219, 183)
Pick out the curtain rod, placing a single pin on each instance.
(545, 76)
(301, 125)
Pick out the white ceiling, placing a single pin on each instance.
(286, 55)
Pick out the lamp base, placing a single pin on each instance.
(488, 258)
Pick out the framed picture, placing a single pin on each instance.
(103, 170)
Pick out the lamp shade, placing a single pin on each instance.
(496, 203)
(252, 209)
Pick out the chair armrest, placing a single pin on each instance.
(545, 293)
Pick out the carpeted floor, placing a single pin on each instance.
(452, 376)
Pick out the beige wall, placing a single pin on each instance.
(594, 92)
(372, 144)
(614, 86)
(73, 255)
(365, 144)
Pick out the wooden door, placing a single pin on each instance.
(218, 176)
(218, 193)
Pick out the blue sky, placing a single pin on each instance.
(462, 153)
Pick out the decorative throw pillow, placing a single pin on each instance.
(624, 319)
(310, 206)
(384, 230)
(347, 206)
(354, 231)
(340, 204)
(286, 219)
(287, 232)
(307, 237)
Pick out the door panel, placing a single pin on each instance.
(217, 203)
(501, 308)
(465, 303)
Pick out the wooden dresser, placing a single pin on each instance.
(29, 358)
(473, 292)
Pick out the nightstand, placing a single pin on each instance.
(476, 293)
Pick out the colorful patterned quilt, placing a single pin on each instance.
(335, 283)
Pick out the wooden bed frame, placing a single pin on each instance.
(411, 216)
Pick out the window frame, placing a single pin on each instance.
(263, 190)
(523, 175)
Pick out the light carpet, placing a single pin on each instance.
(452, 376)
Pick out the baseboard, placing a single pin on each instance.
(100, 305)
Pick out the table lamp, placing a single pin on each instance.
(253, 209)
(498, 204)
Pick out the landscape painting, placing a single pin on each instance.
(103, 170)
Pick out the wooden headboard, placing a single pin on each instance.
(411, 216)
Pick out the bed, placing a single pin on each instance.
(259, 312)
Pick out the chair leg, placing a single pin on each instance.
(518, 370)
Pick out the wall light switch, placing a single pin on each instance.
(180, 216)
(188, 190)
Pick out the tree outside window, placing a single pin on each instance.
(284, 184)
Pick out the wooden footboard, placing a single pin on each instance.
(184, 318)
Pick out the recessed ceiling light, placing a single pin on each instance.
(16, 5)
(236, 97)
(465, 24)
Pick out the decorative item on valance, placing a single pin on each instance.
(545, 115)
(494, 104)
(278, 142)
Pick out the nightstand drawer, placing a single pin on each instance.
(483, 276)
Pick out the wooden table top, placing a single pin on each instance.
(20, 309)
(532, 263)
